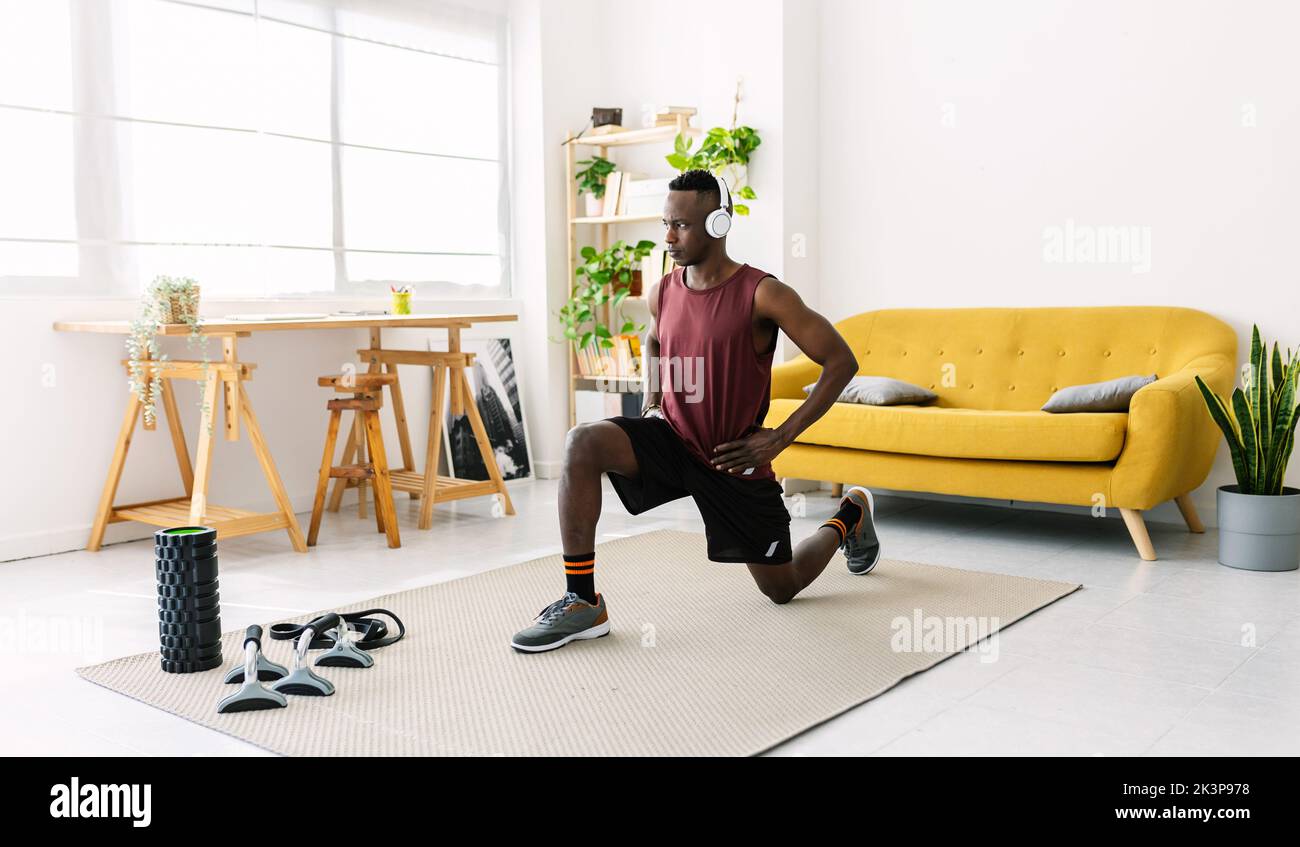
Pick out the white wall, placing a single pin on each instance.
(801, 163)
(569, 54)
(1104, 112)
(541, 364)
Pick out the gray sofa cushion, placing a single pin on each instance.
(880, 391)
(1113, 395)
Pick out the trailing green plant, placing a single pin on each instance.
(605, 276)
(591, 179)
(719, 148)
(160, 302)
(1259, 422)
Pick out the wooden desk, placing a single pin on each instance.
(229, 375)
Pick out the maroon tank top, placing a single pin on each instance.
(715, 387)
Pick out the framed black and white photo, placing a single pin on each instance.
(494, 384)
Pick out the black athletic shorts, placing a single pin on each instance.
(744, 520)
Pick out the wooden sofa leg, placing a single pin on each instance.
(1137, 528)
(837, 489)
(1185, 506)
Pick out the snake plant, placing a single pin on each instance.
(1260, 429)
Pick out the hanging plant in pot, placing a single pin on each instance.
(725, 153)
(167, 300)
(1259, 517)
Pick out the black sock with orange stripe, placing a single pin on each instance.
(580, 575)
(844, 520)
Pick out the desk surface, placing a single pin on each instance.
(221, 325)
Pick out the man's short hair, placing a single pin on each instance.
(698, 180)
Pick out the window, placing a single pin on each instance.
(266, 148)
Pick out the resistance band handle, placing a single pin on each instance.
(329, 620)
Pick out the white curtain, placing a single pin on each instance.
(266, 148)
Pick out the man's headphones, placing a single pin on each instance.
(718, 223)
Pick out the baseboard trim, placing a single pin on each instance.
(73, 538)
(1164, 513)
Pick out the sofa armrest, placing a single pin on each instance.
(1171, 440)
(789, 378)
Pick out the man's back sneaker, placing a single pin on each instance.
(861, 547)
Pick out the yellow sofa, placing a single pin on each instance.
(985, 435)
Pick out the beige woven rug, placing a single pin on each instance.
(698, 661)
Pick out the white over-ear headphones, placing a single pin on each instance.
(718, 223)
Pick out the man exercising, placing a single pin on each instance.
(711, 344)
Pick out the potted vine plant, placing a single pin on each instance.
(591, 183)
(1259, 517)
(724, 152)
(167, 300)
(606, 276)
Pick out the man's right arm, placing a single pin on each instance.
(650, 356)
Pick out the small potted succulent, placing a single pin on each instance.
(167, 300)
(1259, 517)
(591, 183)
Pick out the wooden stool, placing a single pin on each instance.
(367, 392)
(429, 486)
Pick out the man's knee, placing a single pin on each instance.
(582, 446)
(780, 597)
(776, 588)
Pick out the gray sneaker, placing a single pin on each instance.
(861, 547)
(568, 619)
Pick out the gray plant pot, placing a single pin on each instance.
(1259, 532)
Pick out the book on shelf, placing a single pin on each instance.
(622, 361)
(613, 187)
(620, 208)
(645, 196)
(655, 267)
(594, 405)
(667, 115)
(584, 361)
(628, 346)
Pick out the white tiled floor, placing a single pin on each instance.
(1147, 658)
